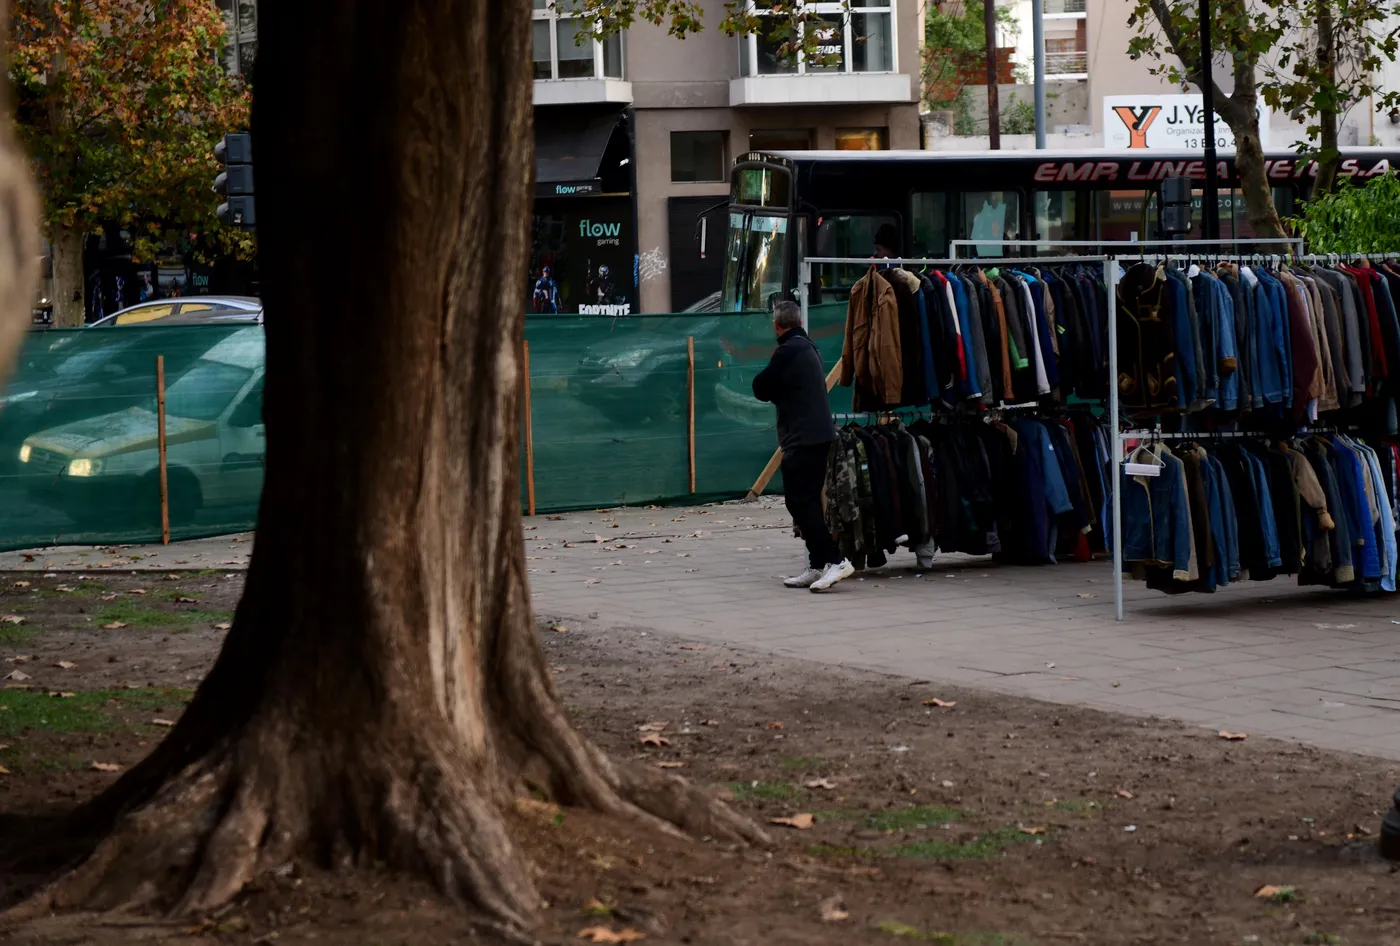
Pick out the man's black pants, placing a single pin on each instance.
(804, 472)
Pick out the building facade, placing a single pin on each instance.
(634, 139)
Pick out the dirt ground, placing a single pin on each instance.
(991, 822)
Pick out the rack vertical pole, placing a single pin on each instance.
(690, 396)
(160, 445)
(529, 436)
(1111, 282)
(805, 274)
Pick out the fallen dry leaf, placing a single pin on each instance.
(653, 739)
(114, 626)
(653, 727)
(825, 783)
(17, 675)
(601, 934)
(670, 765)
(1088, 596)
(105, 767)
(944, 704)
(162, 722)
(61, 696)
(533, 806)
(558, 628)
(1273, 892)
(1233, 736)
(65, 665)
(21, 584)
(801, 822)
(28, 557)
(596, 907)
(710, 722)
(11, 619)
(63, 588)
(224, 626)
(1124, 793)
(20, 658)
(833, 911)
(775, 725)
(186, 600)
(1036, 829)
(137, 591)
(3, 770)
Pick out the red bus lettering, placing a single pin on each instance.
(1196, 170)
(1045, 173)
(1382, 167)
(1349, 168)
(1136, 173)
(1069, 172)
(1106, 171)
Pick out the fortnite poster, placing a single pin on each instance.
(582, 259)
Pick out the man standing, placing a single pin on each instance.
(795, 382)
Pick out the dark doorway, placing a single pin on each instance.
(693, 276)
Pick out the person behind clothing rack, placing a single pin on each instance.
(795, 382)
(886, 242)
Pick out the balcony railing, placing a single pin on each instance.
(1066, 64)
(1064, 6)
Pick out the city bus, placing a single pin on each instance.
(787, 206)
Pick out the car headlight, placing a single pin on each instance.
(84, 467)
(25, 452)
(632, 358)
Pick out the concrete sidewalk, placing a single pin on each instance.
(1266, 658)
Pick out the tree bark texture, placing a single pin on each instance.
(1329, 160)
(383, 694)
(68, 279)
(19, 226)
(1240, 110)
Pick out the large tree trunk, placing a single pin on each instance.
(19, 219)
(68, 278)
(1254, 179)
(383, 693)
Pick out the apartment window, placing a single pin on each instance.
(241, 23)
(563, 49)
(781, 139)
(862, 139)
(697, 156)
(858, 39)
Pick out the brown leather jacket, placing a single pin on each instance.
(870, 355)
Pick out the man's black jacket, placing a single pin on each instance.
(795, 381)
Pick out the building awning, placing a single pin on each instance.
(569, 148)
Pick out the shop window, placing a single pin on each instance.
(850, 37)
(1121, 215)
(862, 139)
(562, 48)
(781, 139)
(697, 156)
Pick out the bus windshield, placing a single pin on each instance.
(755, 260)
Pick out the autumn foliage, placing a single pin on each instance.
(119, 104)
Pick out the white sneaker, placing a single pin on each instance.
(803, 580)
(834, 573)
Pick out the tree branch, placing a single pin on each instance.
(1177, 40)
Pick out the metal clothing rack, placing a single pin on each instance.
(1110, 255)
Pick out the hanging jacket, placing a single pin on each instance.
(871, 356)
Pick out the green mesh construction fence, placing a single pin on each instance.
(79, 462)
(78, 433)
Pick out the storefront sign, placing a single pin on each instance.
(567, 188)
(584, 257)
(1166, 123)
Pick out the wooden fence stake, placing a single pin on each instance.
(160, 443)
(529, 437)
(690, 384)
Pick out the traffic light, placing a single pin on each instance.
(235, 182)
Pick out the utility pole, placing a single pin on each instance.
(1038, 39)
(1210, 203)
(989, 22)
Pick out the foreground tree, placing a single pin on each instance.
(120, 103)
(383, 694)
